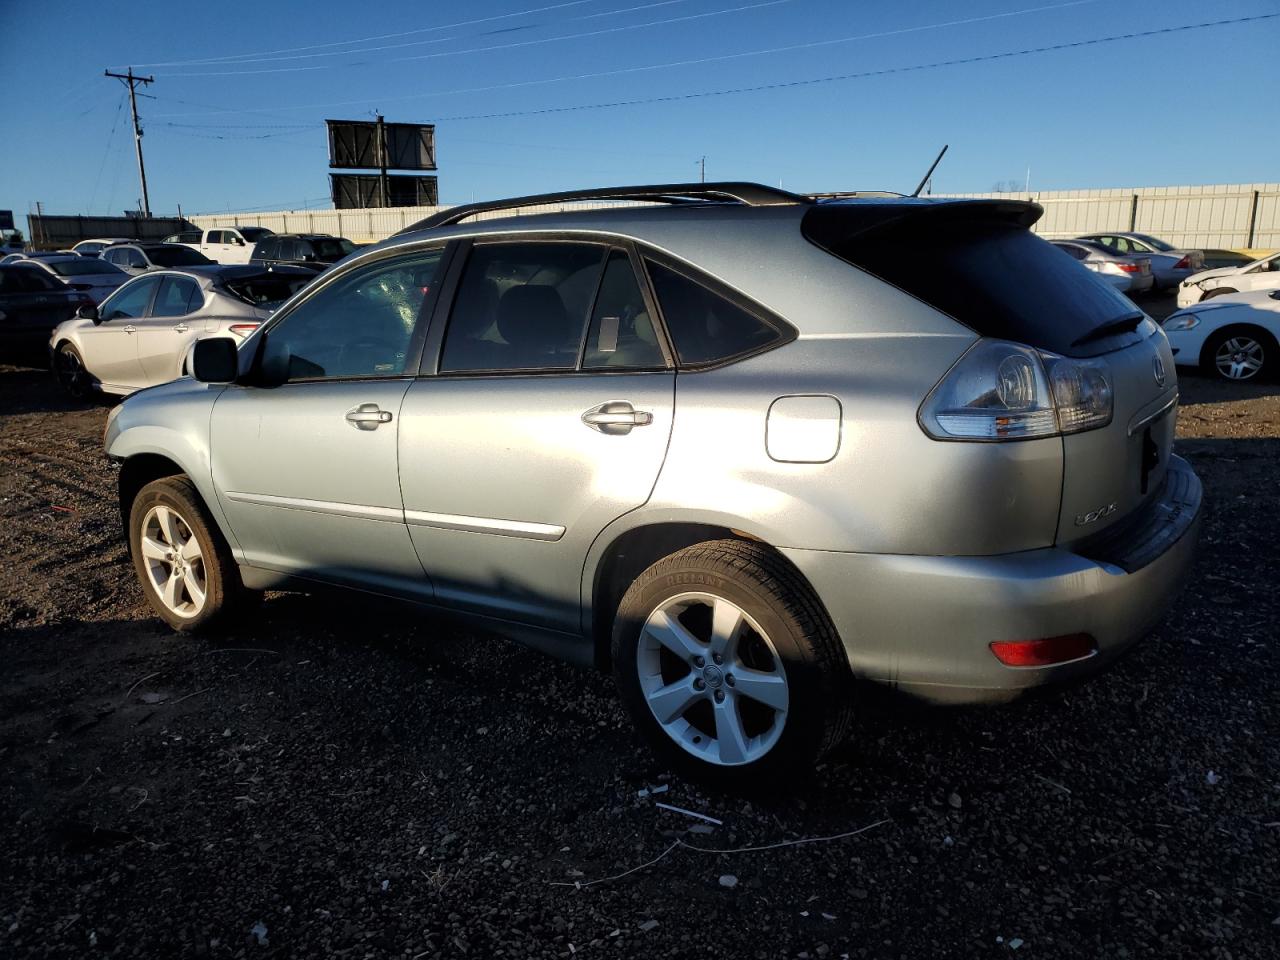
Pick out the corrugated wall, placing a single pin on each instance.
(1232, 216)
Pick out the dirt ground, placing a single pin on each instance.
(350, 778)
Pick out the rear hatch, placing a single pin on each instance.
(979, 262)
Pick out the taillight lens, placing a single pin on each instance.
(1184, 263)
(243, 329)
(1006, 391)
(1130, 267)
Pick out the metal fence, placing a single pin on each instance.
(1231, 216)
(51, 232)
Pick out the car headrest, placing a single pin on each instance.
(533, 316)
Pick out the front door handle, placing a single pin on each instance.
(181, 328)
(616, 417)
(368, 416)
(130, 328)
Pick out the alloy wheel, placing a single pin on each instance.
(1239, 358)
(712, 679)
(173, 561)
(71, 374)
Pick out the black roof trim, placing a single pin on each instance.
(750, 194)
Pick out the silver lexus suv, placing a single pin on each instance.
(741, 447)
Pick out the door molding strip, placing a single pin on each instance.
(354, 510)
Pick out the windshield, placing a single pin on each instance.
(1153, 242)
(254, 234)
(176, 256)
(83, 268)
(268, 290)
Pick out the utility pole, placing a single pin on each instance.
(382, 161)
(703, 165)
(133, 82)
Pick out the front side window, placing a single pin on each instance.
(136, 259)
(174, 297)
(522, 306)
(359, 326)
(704, 326)
(130, 301)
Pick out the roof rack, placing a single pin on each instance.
(749, 194)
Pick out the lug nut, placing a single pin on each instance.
(699, 683)
(699, 662)
(729, 679)
(716, 657)
(719, 696)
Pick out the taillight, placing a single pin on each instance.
(1005, 391)
(1130, 267)
(243, 329)
(1046, 652)
(1184, 263)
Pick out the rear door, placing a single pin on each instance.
(306, 471)
(165, 335)
(544, 416)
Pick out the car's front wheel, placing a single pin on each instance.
(729, 665)
(185, 567)
(1240, 354)
(72, 375)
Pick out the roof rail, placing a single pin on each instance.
(750, 194)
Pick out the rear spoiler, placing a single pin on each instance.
(826, 223)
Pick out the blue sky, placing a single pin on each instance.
(235, 118)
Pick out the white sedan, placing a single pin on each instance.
(142, 334)
(1233, 337)
(1261, 274)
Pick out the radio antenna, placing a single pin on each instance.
(932, 167)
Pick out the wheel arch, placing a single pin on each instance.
(139, 470)
(614, 563)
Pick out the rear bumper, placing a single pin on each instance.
(923, 625)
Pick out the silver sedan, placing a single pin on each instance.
(93, 277)
(1169, 264)
(1128, 274)
(142, 334)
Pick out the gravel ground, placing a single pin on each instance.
(348, 778)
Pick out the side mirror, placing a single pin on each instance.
(215, 360)
(87, 311)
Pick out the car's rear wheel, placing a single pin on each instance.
(185, 567)
(729, 665)
(1217, 292)
(1240, 354)
(71, 373)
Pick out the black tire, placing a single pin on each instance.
(1270, 353)
(771, 592)
(223, 591)
(1217, 292)
(71, 373)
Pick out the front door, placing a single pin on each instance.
(547, 418)
(306, 470)
(111, 346)
(165, 335)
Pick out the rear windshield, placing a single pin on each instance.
(267, 290)
(992, 275)
(177, 256)
(254, 234)
(328, 249)
(82, 268)
(1153, 242)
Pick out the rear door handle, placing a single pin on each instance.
(181, 328)
(368, 416)
(616, 417)
(130, 328)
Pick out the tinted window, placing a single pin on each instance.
(704, 326)
(81, 268)
(252, 234)
(266, 289)
(130, 301)
(360, 326)
(985, 269)
(1154, 243)
(174, 297)
(1070, 248)
(327, 248)
(216, 236)
(176, 256)
(621, 334)
(134, 258)
(522, 306)
(28, 278)
(265, 250)
(114, 256)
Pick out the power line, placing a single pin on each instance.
(385, 36)
(498, 46)
(106, 151)
(132, 81)
(781, 85)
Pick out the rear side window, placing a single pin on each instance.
(174, 297)
(706, 327)
(983, 267)
(522, 306)
(622, 334)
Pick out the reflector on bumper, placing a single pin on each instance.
(1045, 652)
